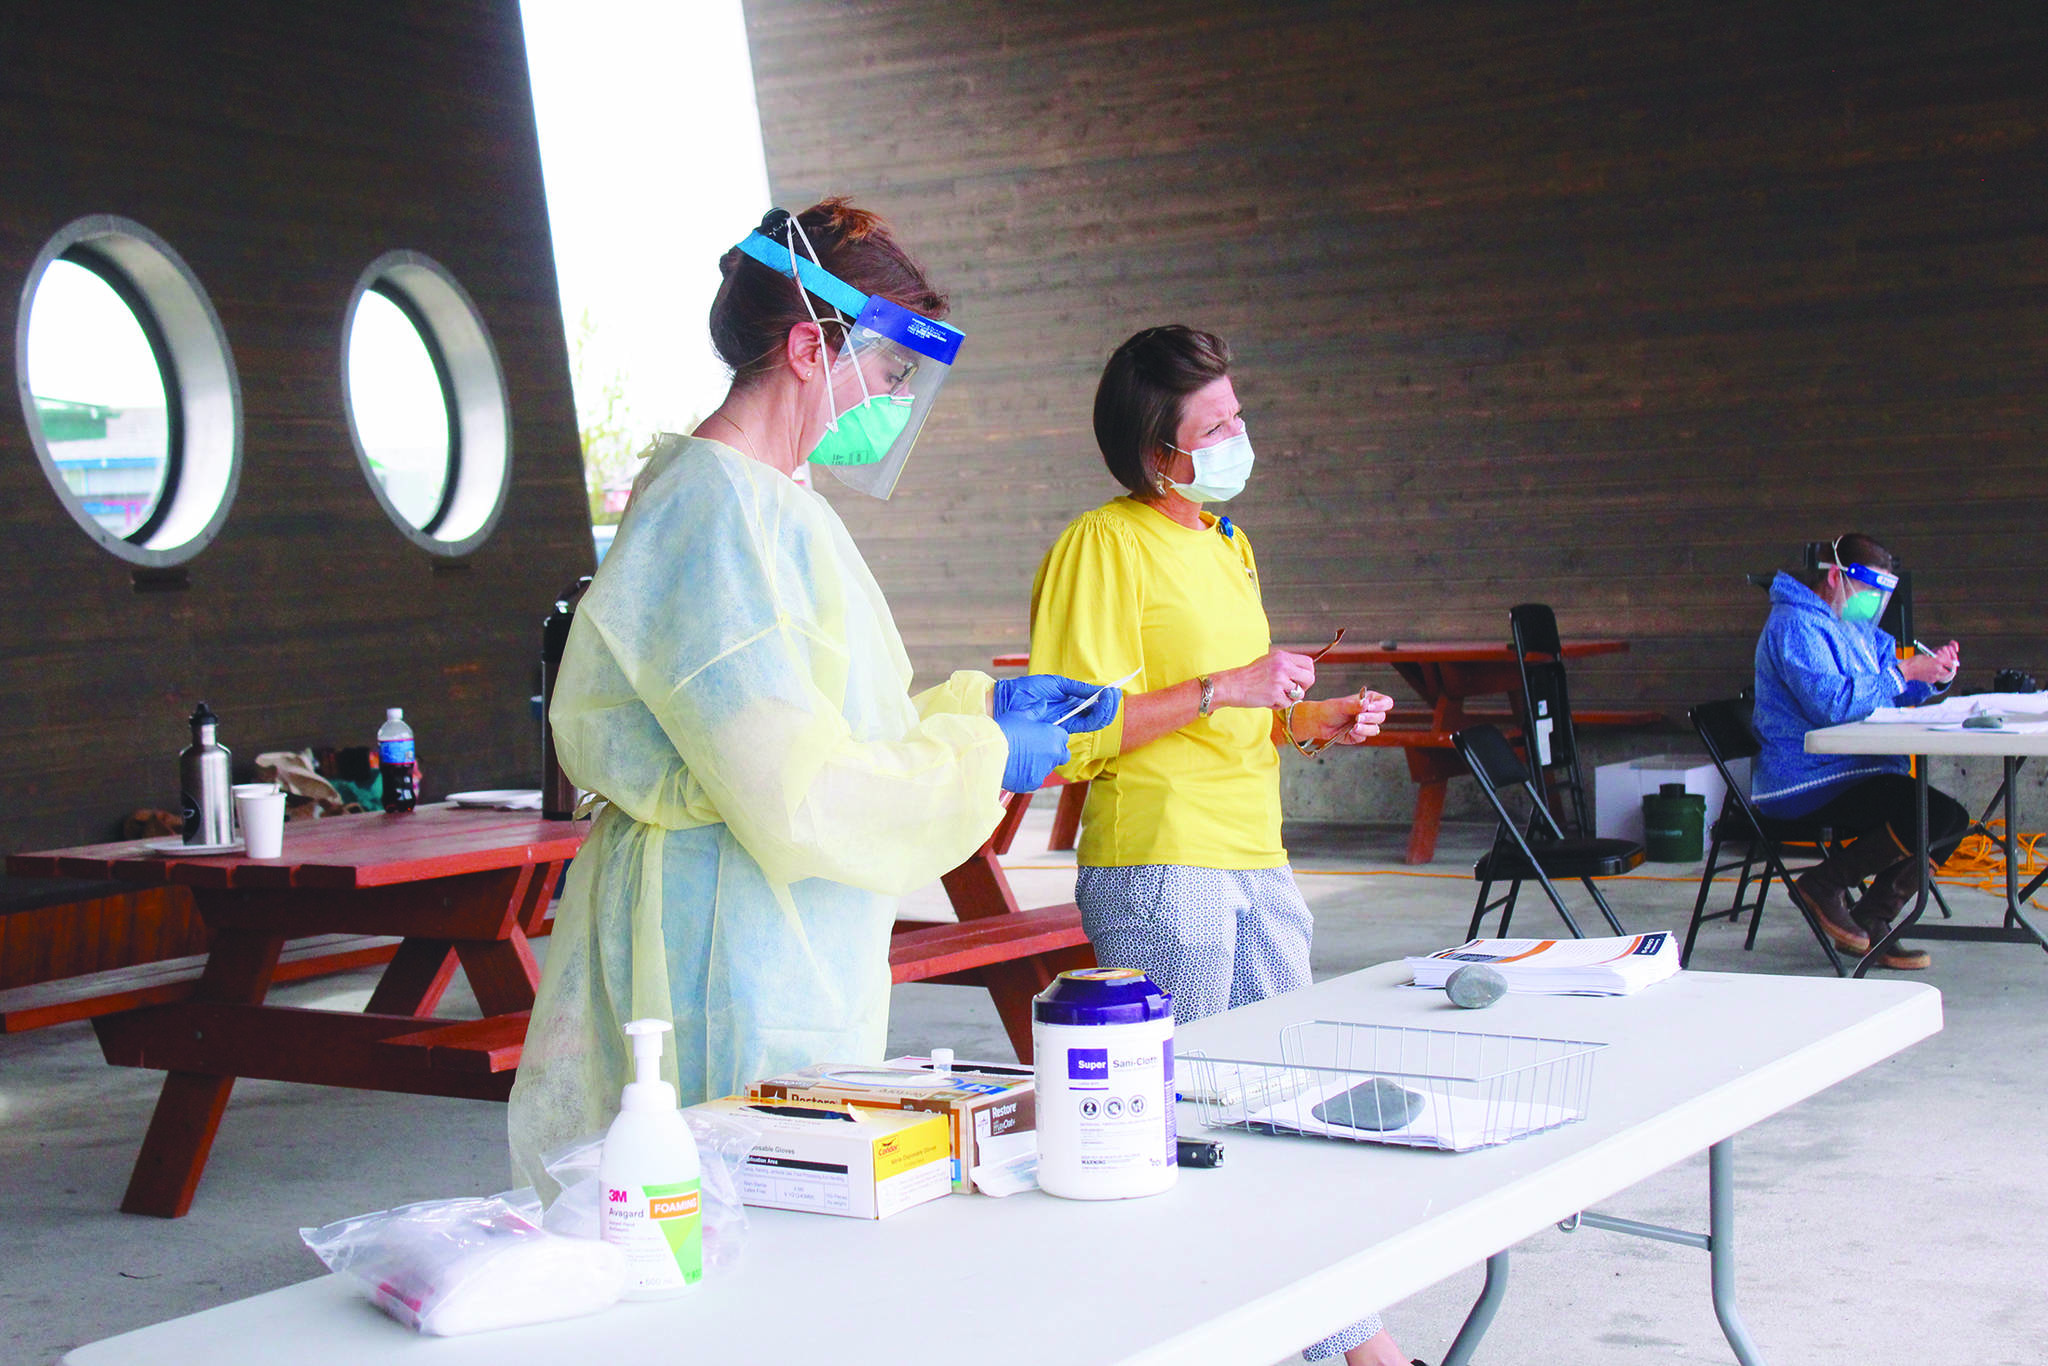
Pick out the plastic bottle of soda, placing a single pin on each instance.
(397, 761)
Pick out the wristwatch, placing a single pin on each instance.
(1208, 695)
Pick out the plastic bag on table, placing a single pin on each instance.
(722, 1148)
(447, 1267)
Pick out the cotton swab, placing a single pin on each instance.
(1090, 700)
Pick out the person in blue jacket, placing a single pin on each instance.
(1823, 661)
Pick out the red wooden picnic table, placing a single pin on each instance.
(1445, 674)
(458, 886)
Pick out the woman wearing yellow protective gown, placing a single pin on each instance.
(735, 692)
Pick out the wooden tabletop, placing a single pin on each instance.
(1411, 652)
(370, 850)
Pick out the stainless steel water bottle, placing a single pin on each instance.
(558, 796)
(204, 785)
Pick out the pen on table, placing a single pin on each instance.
(1089, 701)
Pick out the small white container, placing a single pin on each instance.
(1619, 789)
(651, 1181)
(1103, 1043)
(259, 810)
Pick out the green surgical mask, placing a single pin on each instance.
(866, 431)
(1862, 608)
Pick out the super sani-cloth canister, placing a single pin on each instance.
(1103, 1041)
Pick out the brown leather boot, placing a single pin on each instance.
(1824, 889)
(1887, 896)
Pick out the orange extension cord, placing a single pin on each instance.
(1979, 862)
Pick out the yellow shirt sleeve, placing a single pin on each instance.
(1086, 607)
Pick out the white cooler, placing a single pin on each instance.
(1619, 789)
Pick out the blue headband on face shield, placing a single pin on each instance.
(778, 257)
(1875, 579)
(937, 340)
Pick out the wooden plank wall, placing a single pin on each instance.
(1598, 304)
(279, 149)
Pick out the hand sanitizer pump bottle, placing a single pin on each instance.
(651, 1179)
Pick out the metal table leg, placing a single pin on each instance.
(1483, 1309)
(1718, 1243)
(2016, 897)
(2016, 928)
(1721, 1250)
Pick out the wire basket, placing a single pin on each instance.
(1417, 1088)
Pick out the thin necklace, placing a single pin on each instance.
(752, 454)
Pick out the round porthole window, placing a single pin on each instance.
(129, 390)
(426, 403)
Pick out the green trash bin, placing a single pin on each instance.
(1674, 825)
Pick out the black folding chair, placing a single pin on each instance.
(1725, 729)
(1541, 854)
(1548, 737)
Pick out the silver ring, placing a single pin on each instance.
(1295, 693)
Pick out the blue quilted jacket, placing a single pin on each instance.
(1813, 669)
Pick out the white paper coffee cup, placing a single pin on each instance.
(260, 808)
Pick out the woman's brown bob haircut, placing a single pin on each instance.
(1857, 548)
(757, 306)
(1144, 387)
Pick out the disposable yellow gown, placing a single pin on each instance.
(735, 689)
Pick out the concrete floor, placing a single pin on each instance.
(1900, 1217)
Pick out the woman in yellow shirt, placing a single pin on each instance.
(1182, 872)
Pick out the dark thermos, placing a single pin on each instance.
(557, 794)
(205, 788)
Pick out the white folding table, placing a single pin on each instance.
(1288, 1241)
(1915, 739)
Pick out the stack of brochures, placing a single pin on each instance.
(1560, 967)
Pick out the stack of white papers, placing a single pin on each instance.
(1450, 1122)
(1560, 967)
(2021, 711)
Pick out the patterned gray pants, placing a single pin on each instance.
(1216, 938)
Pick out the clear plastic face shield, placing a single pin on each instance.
(889, 366)
(1870, 589)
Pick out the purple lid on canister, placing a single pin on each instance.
(1101, 996)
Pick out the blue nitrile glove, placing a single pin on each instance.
(1049, 697)
(1036, 749)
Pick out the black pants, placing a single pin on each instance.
(1887, 799)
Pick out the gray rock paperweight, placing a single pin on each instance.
(1377, 1105)
(1475, 986)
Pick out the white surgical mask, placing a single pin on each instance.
(1220, 470)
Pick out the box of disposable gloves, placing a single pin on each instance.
(840, 1159)
(990, 1108)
